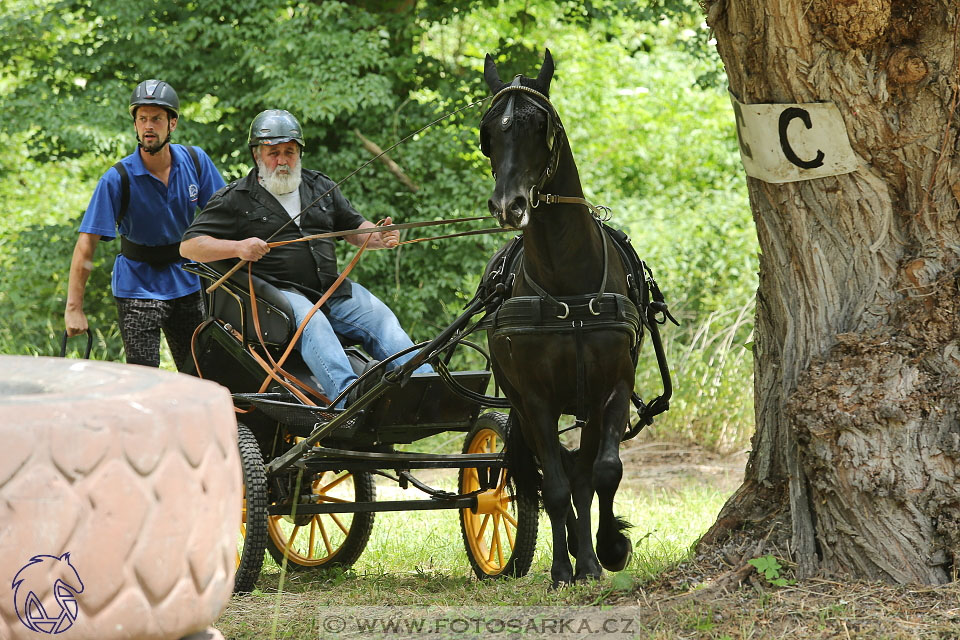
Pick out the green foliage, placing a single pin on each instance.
(652, 139)
(769, 567)
(33, 294)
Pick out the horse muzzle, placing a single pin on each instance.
(512, 214)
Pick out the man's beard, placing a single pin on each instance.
(283, 179)
(156, 145)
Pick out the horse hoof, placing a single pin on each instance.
(562, 578)
(592, 575)
(623, 562)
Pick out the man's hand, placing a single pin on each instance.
(252, 249)
(75, 321)
(389, 239)
(378, 239)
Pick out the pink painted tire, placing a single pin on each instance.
(120, 494)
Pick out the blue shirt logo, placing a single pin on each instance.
(194, 193)
(59, 612)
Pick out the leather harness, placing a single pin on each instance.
(547, 314)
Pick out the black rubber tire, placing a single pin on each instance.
(347, 548)
(254, 527)
(490, 427)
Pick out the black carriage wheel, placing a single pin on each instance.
(328, 540)
(501, 535)
(253, 522)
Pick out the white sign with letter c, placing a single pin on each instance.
(792, 142)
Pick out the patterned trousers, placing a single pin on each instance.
(142, 320)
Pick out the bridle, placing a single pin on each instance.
(556, 138)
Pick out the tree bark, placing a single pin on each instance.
(857, 374)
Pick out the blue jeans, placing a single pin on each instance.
(362, 318)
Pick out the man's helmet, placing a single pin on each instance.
(156, 93)
(274, 126)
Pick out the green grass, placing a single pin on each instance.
(711, 365)
(418, 559)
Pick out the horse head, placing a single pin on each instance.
(522, 135)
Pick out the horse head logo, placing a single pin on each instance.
(58, 611)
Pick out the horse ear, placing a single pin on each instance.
(546, 71)
(491, 76)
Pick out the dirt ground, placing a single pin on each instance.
(670, 465)
(720, 595)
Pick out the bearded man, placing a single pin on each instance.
(149, 197)
(281, 201)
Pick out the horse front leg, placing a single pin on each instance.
(556, 498)
(588, 565)
(613, 547)
(569, 460)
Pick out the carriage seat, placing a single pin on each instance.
(232, 306)
(230, 303)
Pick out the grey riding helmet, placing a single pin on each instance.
(274, 126)
(155, 93)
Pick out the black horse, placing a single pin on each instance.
(565, 340)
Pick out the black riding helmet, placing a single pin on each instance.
(274, 126)
(156, 93)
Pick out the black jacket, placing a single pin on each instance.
(244, 209)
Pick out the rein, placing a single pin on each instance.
(599, 211)
(396, 144)
(399, 226)
(273, 368)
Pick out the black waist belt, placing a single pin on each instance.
(161, 255)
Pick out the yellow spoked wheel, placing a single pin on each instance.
(500, 535)
(322, 541)
(252, 539)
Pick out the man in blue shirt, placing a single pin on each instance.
(150, 197)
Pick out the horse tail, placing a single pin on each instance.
(523, 472)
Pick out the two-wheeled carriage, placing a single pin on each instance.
(309, 467)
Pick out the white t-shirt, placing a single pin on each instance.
(290, 202)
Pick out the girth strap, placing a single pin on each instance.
(535, 315)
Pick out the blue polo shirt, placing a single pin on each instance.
(157, 214)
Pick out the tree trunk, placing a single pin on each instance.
(857, 360)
